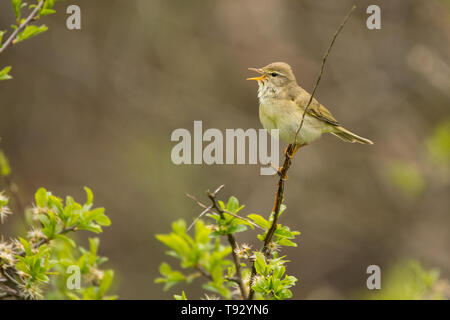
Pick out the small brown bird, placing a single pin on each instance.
(282, 103)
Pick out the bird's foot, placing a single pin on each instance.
(291, 155)
(279, 171)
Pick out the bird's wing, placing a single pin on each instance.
(301, 98)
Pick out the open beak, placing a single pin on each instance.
(263, 75)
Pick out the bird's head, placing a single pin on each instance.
(274, 79)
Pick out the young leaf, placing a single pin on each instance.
(1, 36)
(17, 6)
(260, 221)
(182, 297)
(90, 196)
(5, 169)
(4, 73)
(30, 31)
(41, 198)
(106, 281)
(286, 242)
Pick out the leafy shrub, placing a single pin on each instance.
(205, 255)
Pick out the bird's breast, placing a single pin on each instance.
(286, 116)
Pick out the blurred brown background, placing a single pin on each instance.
(96, 107)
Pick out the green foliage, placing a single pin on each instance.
(408, 280)
(47, 9)
(182, 297)
(282, 236)
(4, 73)
(202, 252)
(204, 255)
(269, 281)
(28, 31)
(228, 224)
(97, 282)
(17, 4)
(39, 260)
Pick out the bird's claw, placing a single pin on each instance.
(278, 170)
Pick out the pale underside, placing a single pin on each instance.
(286, 116)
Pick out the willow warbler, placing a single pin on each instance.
(282, 103)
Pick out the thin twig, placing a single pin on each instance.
(209, 209)
(47, 240)
(33, 14)
(322, 68)
(288, 160)
(230, 237)
(12, 190)
(204, 273)
(22, 253)
(233, 243)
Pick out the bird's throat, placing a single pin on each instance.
(266, 90)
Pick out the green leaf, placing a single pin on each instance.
(260, 263)
(182, 297)
(5, 169)
(286, 242)
(66, 239)
(215, 234)
(93, 245)
(98, 216)
(17, 6)
(282, 209)
(201, 233)
(26, 246)
(285, 232)
(233, 204)
(3, 200)
(91, 227)
(4, 73)
(175, 242)
(236, 228)
(90, 196)
(45, 12)
(260, 221)
(179, 227)
(1, 36)
(41, 198)
(171, 277)
(30, 31)
(106, 281)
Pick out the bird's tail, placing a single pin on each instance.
(348, 136)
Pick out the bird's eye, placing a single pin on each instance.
(274, 74)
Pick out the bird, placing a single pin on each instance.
(282, 103)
